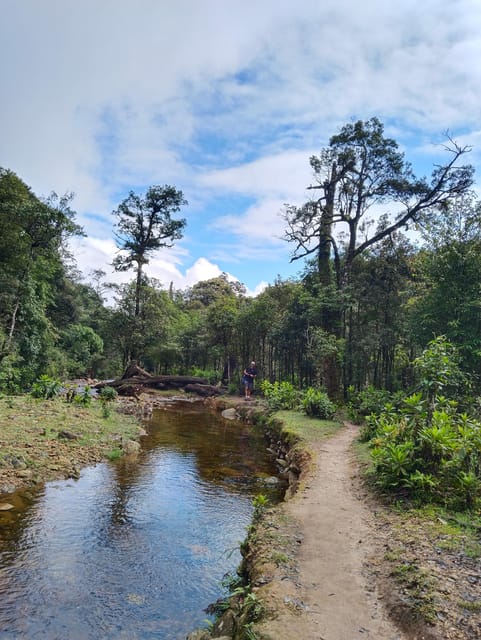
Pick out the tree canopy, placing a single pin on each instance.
(145, 225)
(362, 172)
(365, 307)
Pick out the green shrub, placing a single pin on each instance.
(211, 375)
(115, 454)
(424, 445)
(280, 395)
(366, 402)
(107, 395)
(84, 398)
(233, 388)
(436, 459)
(46, 388)
(315, 402)
(10, 376)
(394, 464)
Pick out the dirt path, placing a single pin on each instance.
(331, 597)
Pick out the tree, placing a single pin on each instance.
(368, 192)
(376, 317)
(145, 224)
(205, 292)
(32, 255)
(216, 303)
(362, 169)
(446, 296)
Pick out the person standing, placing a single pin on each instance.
(248, 378)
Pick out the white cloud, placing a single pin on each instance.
(260, 223)
(94, 254)
(273, 181)
(222, 98)
(283, 175)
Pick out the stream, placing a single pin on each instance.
(137, 548)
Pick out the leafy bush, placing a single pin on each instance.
(426, 447)
(440, 461)
(46, 388)
(315, 402)
(233, 388)
(280, 395)
(394, 463)
(363, 403)
(211, 375)
(10, 376)
(84, 398)
(107, 395)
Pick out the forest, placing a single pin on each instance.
(367, 301)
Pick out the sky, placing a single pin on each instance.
(226, 100)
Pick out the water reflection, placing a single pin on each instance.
(135, 549)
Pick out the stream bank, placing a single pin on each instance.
(418, 568)
(335, 561)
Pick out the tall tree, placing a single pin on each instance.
(376, 318)
(145, 224)
(32, 252)
(446, 297)
(362, 170)
(367, 192)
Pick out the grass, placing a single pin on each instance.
(280, 558)
(474, 607)
(418, 586)
(448, 530)
(297, 426)
(30, 428)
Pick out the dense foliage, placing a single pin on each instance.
(425, 445)
(354, 320)
(356, 326)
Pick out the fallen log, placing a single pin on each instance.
(163, 382)
(206, 390)
(133, 386)
(133, 370)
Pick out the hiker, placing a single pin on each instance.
(248, 378)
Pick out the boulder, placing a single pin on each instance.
(130, 447)
(229, 414)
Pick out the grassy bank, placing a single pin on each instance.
(432, 557)
(46, 439)
(299, 428)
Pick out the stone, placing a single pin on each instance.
(229, 414)
(68, 435)
(6, 506)
(24, 473)
(225, 625)
(130, 447)
(200, 634)
(271, 480)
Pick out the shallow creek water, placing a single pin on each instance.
(134, 549)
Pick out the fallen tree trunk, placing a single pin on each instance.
(134, 384)
(162, 382)
(206, 390)
(133, 370)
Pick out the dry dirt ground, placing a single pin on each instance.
(339, 585)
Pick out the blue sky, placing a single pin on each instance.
(226, 100)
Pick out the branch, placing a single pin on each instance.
(440, 190)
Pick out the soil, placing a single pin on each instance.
(341, 549)
(42, 440)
